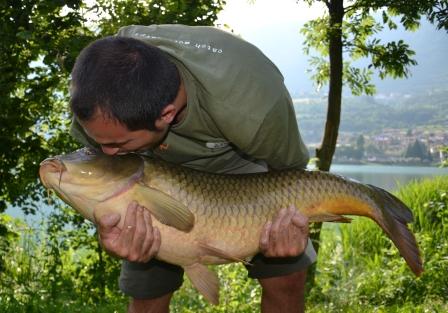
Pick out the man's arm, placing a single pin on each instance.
(279, 144)
(277, 140)
(138, 241)
(286, 235)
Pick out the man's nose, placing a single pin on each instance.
(109, 150)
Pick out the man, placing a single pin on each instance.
(202, 98)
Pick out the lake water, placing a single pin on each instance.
(385, 176)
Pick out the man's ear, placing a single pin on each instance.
(167, 116)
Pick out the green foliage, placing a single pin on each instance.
(40, 42)
(32, 86)
(349, 152)
(418, 150)
(359, 267)
(52, 268)
(367, 114)
(119, 13)
(55, 265)
(61, 260)
(392, 59)
(7, 238)
(445, 161)
(238, 293)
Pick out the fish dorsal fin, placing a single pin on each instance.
(165, 208)
(220, 253)
(205, 281)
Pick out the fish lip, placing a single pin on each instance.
(55, 164)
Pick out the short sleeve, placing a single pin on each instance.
(278, 141)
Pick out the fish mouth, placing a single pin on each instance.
(51, 165)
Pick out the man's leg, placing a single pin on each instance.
(157, 305)
(282, 280)
(150, 285)
(283, 294)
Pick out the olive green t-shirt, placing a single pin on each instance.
(240, 116)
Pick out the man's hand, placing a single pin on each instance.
(286, 235)
(138, 241)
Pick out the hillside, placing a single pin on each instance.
(364, 115)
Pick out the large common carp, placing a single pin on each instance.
(214, 219)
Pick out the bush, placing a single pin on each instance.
(57, 266)
(359, 267)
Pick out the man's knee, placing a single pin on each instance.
(293, 283)
(155, 305)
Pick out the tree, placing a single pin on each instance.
(418, 150)
(347, 31)
(444, 160)
(40, 42)
(35, 37)
(360, 142)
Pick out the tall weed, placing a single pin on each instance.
(58, 266)
(359, 266)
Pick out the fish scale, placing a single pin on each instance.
(213, 219)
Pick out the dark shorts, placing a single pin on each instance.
(157, 278)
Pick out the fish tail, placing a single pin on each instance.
(392, 215)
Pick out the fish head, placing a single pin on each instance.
(83, 178)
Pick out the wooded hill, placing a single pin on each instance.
(364, 115)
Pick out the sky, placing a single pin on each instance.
(247, 16)
(275, 30)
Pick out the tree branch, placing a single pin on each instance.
(327, 3)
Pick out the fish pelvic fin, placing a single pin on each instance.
(393, 218)
(165, 208)
(205, 281)
(328, 217)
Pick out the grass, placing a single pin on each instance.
(359, 270)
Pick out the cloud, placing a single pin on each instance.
(244, 16)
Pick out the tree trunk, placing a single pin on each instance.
(328, 146)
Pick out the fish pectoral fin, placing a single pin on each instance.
(328, 217)
(166, 209)
(205, 281)
(208, 249)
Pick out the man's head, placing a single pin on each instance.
(125, 83)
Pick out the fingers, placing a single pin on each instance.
(142, 239)
(264, 239)
(286, 236)
(300, 220)
(108, 231)
(152, 240)
(279, 235)
(127, 233)
(155, 245)
(137, 241)
(108, 221)
(139, 234)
